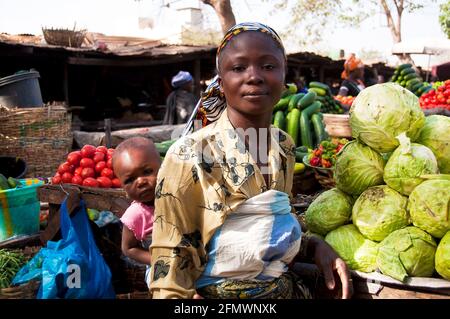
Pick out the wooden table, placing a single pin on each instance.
(110, 199)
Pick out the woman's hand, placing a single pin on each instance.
(330, 264)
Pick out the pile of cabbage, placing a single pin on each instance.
(390, 210)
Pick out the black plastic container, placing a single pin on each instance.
(12, 167)
(21, 90)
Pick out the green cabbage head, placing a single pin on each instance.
(379, 211)
(383, 111)
(328, 211)
(442, 258)
(407, 252)
(429, 207)
(358, 252)
(409, 161)
(436, 135)
(357, 168)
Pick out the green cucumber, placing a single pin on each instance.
(407, 71)
(403, 83)
(302, 149)
(280, 120)
(299, 156)
(3, 183)
(404, 66)
(305, 128)
(319, 128)
(320, 85)
(416, 86)
(410, 83)
(294, 100)
(282, 104)
(319, 91)
(307, 100)
(293, 125)
(410, 76)
(13, 183)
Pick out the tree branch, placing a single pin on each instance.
(390, 21)
(224, 11)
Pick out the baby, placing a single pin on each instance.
(136, 163)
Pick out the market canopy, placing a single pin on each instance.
(421, 46)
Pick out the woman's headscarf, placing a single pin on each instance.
(213, 101)
(181, 78)
(351, 64)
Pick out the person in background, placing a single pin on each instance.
(353, 76)
(136, 163)
(180, 102)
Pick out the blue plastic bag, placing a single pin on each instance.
(71, 268)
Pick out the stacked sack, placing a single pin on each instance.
(390, 210)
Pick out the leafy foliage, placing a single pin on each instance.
(444, 18)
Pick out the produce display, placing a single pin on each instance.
(400, 219)
(325, 155)
(407, 77)
(438, 97)
(8, 183)
(91, 166)
(10, 263)
(329, 103)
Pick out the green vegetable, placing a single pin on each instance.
(319, 91)
(442, 258)
(357, 168)
(282, 104)
(307, 100)
(407, 252)
(163, 147)
(4, 185)
(279, 120)
(379, 211)
(358, 252)
(382, 112)
(305, 127)
(319, 128)
(435, 134)
(294, 100)
(429, 206)
(293, 125)
(407, 163)
(10, 263)
(328, 211)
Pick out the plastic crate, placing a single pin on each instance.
(19, 209)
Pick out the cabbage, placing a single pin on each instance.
(436, 135)
(442, 258)
(357, 168)
(383, 111)
(429, 206)
(358, 252)
(379, 211)
(330, 210)
(407, 163)
(407, 252)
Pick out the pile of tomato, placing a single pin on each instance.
(437, 98)
(91, 166)
(346, 100)
(325, 155)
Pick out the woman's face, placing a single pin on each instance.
(252, 71)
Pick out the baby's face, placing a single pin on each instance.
(137, 170)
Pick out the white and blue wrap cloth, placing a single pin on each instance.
(257, 241)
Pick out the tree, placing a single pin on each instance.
(444, 18)
(224, 11)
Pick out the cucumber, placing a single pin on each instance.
(282, 104)
(279, 120)
(299, 156)
(407, 71)
(294, 100)
(305, 128)
(292, 88)
(302, 149)
(410, 76)
(3, 183)
(416, 86)
(307, 100)
(404, 66)
(412, 82)
(320, 85)
(13, 183)
(319, 91)
(403, 83)
(319, 128)
(293, 125)
(393, 78)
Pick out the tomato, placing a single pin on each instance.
(90, 182)
(87, 162)
(100, 166)
(87, 172)
(88, 151)
(107, 172)
(98, 157)
(116, 183)
(66, 177)
(77, 179)
(109, 163)
(64, 167)
(56, 179)
(78, 171)
(102, 149)
(104, 182)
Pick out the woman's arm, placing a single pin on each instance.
(132, 248)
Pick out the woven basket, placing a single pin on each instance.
(337, 125)
(323, 175)
(64, 37)
(41, 136)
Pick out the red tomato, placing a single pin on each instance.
(88, 151)
(107, 172)
(87, 162)
(64, 167)
(98, 157)
(100, 166)
(90, 182)
(56, 179)
(74, 158)
(102, 149)
(87, 172)
(109, 163)
(78, 171)
(77, 179)
(66, 177)
(116, 183)
(104, 182)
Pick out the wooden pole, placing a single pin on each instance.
(108, 133)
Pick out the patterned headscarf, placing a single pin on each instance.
(351, 64)
(213, 101)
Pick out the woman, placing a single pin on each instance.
(223, 224)
(353, 76)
